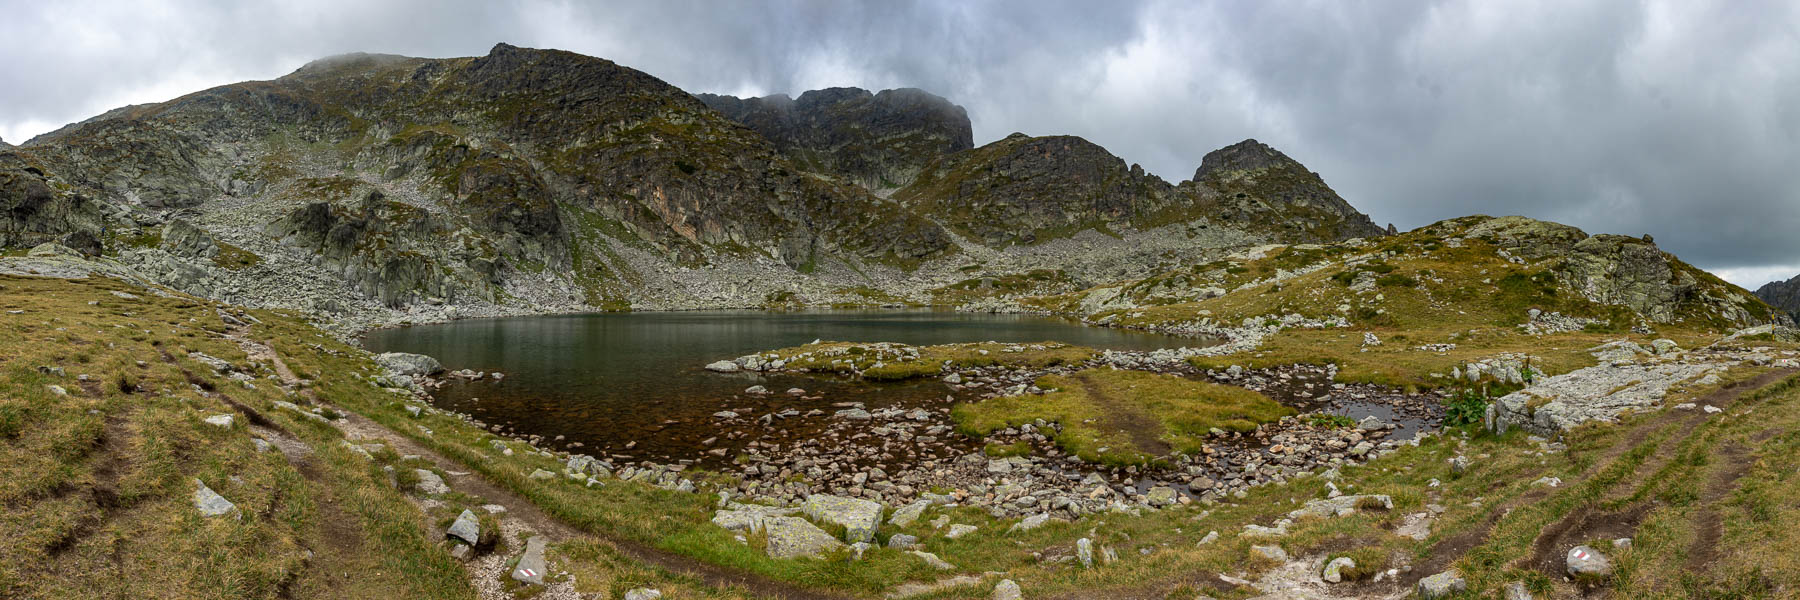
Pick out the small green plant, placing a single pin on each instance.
(1396, 280)
(1465, 407)
(1330, 421)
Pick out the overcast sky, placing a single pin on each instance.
(1676, 118)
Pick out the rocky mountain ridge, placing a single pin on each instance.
(877, 140)
(1784, 295)
(377, 189)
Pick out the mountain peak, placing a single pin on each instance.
(1247, 155)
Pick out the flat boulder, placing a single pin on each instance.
(403, 363)
(859, 518)
(211, 504)
(531, 567)
(1442, 585)
(1583, 561)
(905, 515)
(723, 366)
(748, 517)
(1342, 505)
(430, 483)
(794, 537)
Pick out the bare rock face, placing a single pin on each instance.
(1250, 175)
(1784, 295)
(1025, 190)
(33, 211)
(880, 140)
(1624, 271)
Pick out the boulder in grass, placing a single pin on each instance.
(1442, 585)
(467, 528)
(794, 537)
(1007, 590)
(1586, 562)
(211, 504)
(858, 517)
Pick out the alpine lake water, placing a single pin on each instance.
(634, 384)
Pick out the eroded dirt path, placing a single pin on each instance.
(1596, 520)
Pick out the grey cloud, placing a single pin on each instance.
(1670, 117)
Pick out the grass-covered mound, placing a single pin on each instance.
(885, 361)
(1125, 417)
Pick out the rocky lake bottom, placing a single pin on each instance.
(631, 390)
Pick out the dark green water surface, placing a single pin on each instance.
(607, 380)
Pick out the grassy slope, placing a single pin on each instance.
(98, 484)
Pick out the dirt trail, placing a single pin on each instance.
(357, 427)
(1145, 432)
(1593, 520)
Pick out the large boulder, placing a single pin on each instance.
(466, 528)
(794, 537)
(183, 239)
(1442, 585)
(409, 364)
(1586, 562)
(859, 518)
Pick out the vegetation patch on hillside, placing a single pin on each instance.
(1125, 417)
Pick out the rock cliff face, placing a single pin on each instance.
(34, 209)
(1251, 181)
(1624, 271)
(1784, 295)
(879, 141)
(1022, 189)
(392, 188)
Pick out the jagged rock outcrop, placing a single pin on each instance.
(1784, 295)
(392, 251)
(880, 141)
(34, 209)
(1251, 181)
(1623, 271)
(1022, 189)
